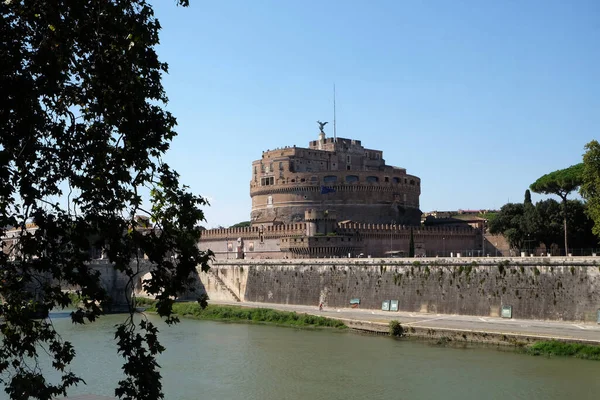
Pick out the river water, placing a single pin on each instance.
(212, 360)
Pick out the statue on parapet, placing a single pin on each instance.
(321, 126)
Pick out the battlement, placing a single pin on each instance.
(280, 230)
(348, 229)
(387, 229)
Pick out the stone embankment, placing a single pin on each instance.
(548, 288)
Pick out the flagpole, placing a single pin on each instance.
(334, 130)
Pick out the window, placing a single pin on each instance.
(255, 170)
(372, 179)
(281, 166)
(412, 182)
(351, 178)
(405, 181)
(347, 167)
(330, 179)
(386, 179)
(396, 180)
(267, 181)
(348, 159)
(302, 180)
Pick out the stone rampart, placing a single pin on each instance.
(536, 288)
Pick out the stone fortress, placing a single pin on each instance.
(332, 175)
(335, 198)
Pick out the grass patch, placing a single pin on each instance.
(555, 348)
(143, 302)
(258, 315)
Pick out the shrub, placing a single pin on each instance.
(396, 329)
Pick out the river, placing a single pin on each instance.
(212, 360)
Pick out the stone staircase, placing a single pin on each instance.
(223, 285)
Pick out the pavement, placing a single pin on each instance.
(588, 332)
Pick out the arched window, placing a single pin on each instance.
(330, 179)
(351, 178)
(372, 179)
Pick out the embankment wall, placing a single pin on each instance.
(564, 288)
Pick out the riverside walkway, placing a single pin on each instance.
(377, 321)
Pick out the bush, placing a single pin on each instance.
(396, 329)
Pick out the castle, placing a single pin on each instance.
(336, 175)
(335, 198)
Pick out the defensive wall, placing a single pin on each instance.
(274, 241)
(548, 288)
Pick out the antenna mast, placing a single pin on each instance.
(334, 132)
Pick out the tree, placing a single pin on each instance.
(243, 224)
(548, 222)
(83, 132)
(561, 183)
(510, 221)
(590, 186)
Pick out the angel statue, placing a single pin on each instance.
(322, 125)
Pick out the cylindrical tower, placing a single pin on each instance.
(341, 176)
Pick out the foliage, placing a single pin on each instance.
(244, 314)
(243, 224)
(556, 348)
(590, 187)
(82, 136)
(561, 183)
(396, 329)
(526, 225)
(510, 222)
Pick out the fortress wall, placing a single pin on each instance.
(537, 288)
(374, 239)
(225, 283)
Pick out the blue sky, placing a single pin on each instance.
(478, 98)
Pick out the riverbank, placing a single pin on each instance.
(492, 330)
(248, 315)
(530, 344)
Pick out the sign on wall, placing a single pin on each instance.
(385, 305)
(393, 305)
(506, 312)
